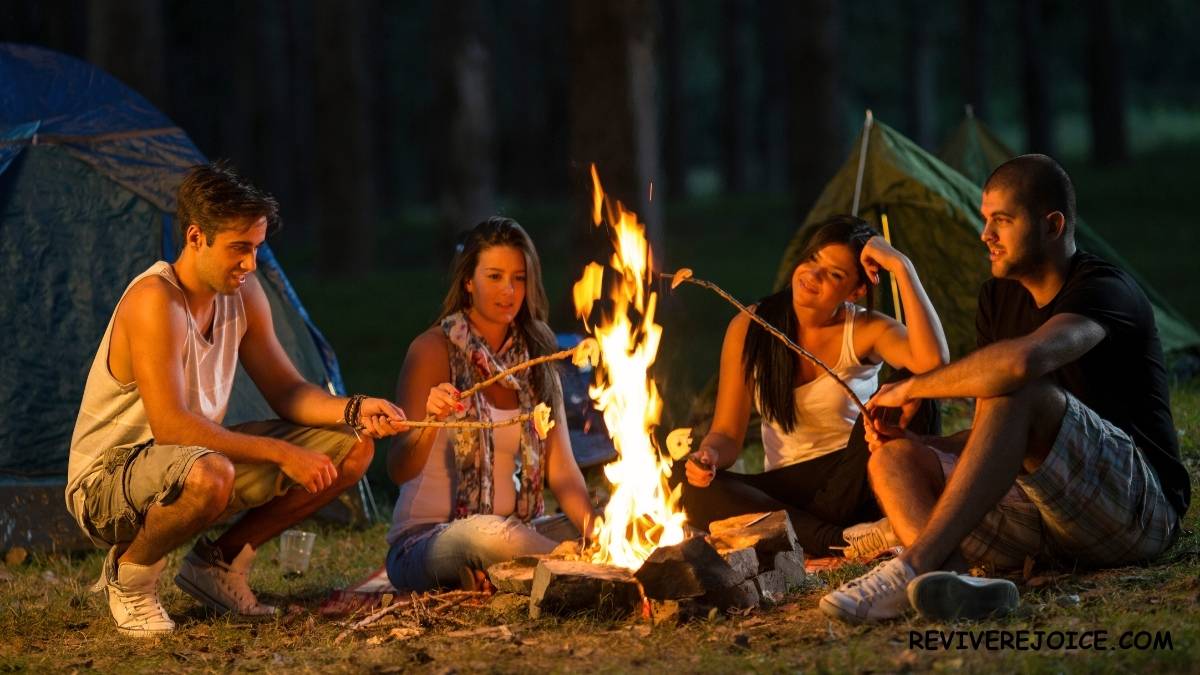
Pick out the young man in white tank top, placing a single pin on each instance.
(150, 464)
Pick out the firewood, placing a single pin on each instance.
(767, 533)
(739, 596)
(512, 576)
(772, 586)
(565, 587)
(688, 569)
(744, 561)
(791, 564)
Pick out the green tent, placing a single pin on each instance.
(932, 216)
(975, 152)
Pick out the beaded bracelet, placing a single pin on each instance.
(351, 416)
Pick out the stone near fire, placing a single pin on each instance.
(741, 596)
(772, 586)
(565, 587)
(768, 533)
(514, 576)
(688, 569)
(744, 561)
(791, 564)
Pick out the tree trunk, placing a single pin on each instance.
(464, 145)
(816, 99)
(976, 36)
(920, 100)
(345, 208)
(613, 116)
(1106, 85)
(674, 126)
(125, 38)
(1039, 117)
(734, 46)
(773, 107)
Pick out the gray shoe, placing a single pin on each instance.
(946, 596)
(220, 586)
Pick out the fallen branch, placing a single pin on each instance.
(684, 275)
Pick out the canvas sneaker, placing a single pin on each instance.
(220, 586)
(946, 596)
(132, 592)
(878, 595)
(867, 540)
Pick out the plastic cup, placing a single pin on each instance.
(295, 549)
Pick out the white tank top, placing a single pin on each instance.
(429, 497)
(824, 413)
(112, 413)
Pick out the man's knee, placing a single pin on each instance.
(903, 456)
(1040, 395)
(210, 482)
(354, 466)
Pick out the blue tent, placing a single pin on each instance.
(88, 175)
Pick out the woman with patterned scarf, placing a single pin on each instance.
(469, 498)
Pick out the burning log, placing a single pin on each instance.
(688, 569)
(565, 587)
(767, 533)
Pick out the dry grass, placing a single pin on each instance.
(50, 621)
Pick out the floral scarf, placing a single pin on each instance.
(471, 361)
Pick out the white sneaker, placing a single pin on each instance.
(946, 596)
(878, 595)
(133, 597)
(218, 585)
(867, 540)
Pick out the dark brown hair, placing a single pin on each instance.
(770, 365)
(215, 198)
(535, 310)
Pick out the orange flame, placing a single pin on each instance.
(643, 513)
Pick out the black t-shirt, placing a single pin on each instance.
(1122, 378)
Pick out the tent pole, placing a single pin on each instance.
(887, 235)
(862, 161)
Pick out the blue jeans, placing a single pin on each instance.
(476, 541)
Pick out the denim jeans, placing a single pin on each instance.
(476, 541)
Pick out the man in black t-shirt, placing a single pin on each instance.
(1072, 454)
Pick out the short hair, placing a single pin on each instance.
(1038, 183)
(216, 198)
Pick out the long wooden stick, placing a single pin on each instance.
(564, 354)
(469, 424)
(677, 278)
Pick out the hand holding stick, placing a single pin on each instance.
(684, 275)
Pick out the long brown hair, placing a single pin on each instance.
(770, 366)
(535, 310)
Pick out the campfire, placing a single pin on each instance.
(643, 513)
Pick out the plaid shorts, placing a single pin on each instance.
(1094, 501)
(133, 478)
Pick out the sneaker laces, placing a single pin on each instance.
(870, 540)
(878, 580)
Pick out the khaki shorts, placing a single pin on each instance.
(131, 479)
(1094, 501)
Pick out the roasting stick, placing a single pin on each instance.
(685, 275)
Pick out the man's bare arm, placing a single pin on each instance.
(1001, 367)
(154, 317)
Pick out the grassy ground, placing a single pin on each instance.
(50, 621)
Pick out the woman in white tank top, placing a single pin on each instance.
(815, 467)
(469, 499)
